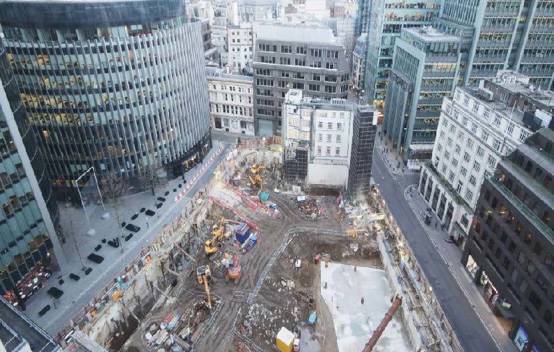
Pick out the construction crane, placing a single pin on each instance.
(203, 275)
(396, 302)
(211, 246)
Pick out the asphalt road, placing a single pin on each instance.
(468, 327)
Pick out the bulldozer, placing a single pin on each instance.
(212, 245)
(203, 276)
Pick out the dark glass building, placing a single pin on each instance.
(510, 251)
(28, 212)
(115, 85)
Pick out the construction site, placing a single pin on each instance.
(257, 265)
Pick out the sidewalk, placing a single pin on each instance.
(79, 245)
(451, 255)
(392, 160)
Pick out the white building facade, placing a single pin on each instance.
(240, 44)
(474, 132)
(324, 130)
(231, 108)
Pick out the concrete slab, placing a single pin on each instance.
(354, 322)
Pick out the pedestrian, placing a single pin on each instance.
(362, 300)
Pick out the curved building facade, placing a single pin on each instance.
(117, 85)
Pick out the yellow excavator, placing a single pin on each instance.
(203, 276)
(211, 246)
(255, 176)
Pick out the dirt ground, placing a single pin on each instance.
(288, 295)
(271, 293)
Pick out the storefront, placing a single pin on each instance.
(521, 340)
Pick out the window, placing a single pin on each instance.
(469, 195)
(337, 151)
(510, 128)
(338, 138)
(476, 166)
(328, 150)
(523, 136)
(466, 157)
(318, 150)
(480, 151)
(496, 144)
(320, 124)
(457, 149)
(463, 171)
(496, 121)
(329, 125)
(485, 136)
(339, 126)
(320, 137)
(472, 180)
(329, 136)
(451, 176)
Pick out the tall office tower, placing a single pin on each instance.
(19, 333)
(362, 17)
(424, 70)
(28, 240)
(510, 251)
(124, 93)
(327, 143)
(387, 18)
(498, 35)
(477, 128)
(358, 63)
(300, 57)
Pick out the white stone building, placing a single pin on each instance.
(318, 139)
(477, 127)
(230, 96)
(240, 45)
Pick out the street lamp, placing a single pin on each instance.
(91, 231)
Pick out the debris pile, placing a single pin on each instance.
(310, 207)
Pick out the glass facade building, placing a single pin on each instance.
(497, 35)
(27, 230)
(425, 69)
(118, 85)
(386, 20)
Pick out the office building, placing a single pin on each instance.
(240, 44)
(19, 333)
(123, 93)
(321, 138)
(424, 70)
(343, 30)
(358, 63)
(477, 128)
(499, 35)
(258, 10)
(28, 213)
(231, 106)
(225, 13)
(510, 251)
(299, 57)
(387, 18)
(362, 17)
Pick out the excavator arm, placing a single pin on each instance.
(383, 324)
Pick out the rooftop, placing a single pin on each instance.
(16, 329)
(220, 74)
(519, 83)
(430, 34)
(296, 33)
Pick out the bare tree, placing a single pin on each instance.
(112, 186)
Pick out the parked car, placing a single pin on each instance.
(132, 227)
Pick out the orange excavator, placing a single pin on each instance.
(396, 302)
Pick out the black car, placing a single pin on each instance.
(95, 258)
(150, 212)
(161, 199)
(132, 227)
(159, 205)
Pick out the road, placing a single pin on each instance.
(468, 327)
